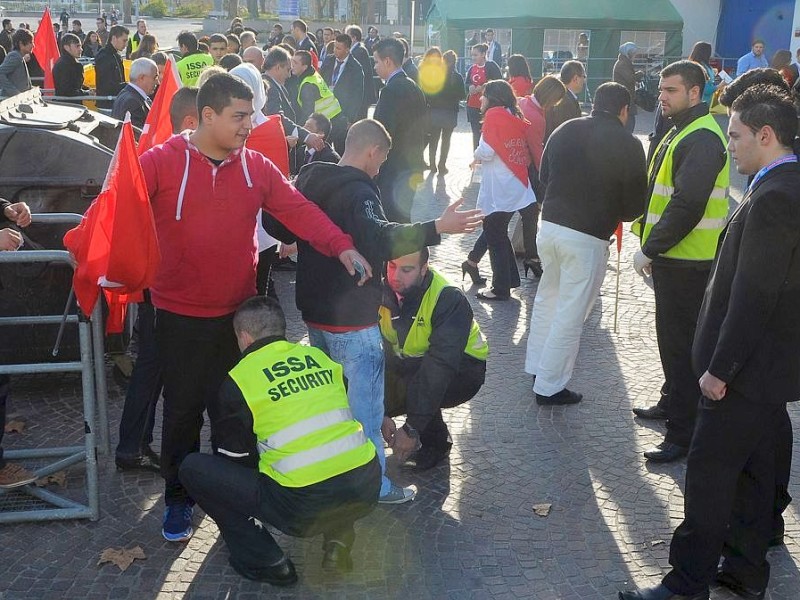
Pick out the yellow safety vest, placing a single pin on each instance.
(419, 335)
(191, 65)
(134, 43)
(701, 243)
(301, 416)
(327, 104)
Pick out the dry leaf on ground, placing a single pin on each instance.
(58, 478)
(122, 557)
(542, 510)
(14, 427)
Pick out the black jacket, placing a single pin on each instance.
(326, 294)
(696, 162)
(110, 74)
(748, 330)
(130, 100)
(349, 88)
(68, 76)
(594, 175)
(364, 58)
(327, 154)
(449, 97)
(427, 378)
(403, 110)
(411, 70)
(279, 103)
(569, 108)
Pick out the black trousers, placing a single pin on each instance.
(242, 501)
(679, 294)
(729, 500)
(474, 117)
(264, 282)
(530, 227)
(463, 387)
(437, 133)
(196, 355)
(505, 274)
(144, 389)
(4, 389)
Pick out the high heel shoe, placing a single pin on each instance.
(473, 272)
(534, 265)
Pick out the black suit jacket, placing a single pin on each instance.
(68, 76)
(307, 45)
(130, 100)
(109, 72)
(349, 88)
(568, 108)
(404, 112)
(364, 58)
(748, 330)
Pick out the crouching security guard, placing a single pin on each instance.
(436, 358)
(287, 452)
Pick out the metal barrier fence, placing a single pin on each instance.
(94, 393)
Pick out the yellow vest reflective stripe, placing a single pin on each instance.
(701, 243)
(419, 334)
(191, 65)
(327, 104)
(304, 429)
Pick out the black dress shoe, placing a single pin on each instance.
(337, 557)
(729, 581)
(651, 412)
(426, 458)
(147, 461)
(565, 396)
(281, 573)
(666, 452)
(660, 592)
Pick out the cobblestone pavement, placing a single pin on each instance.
(472, 532)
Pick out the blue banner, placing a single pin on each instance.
(288, 9)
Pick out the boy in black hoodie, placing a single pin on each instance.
(342, 318)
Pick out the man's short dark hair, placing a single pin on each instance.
(232, 37)
(217, 38)
(117, 31)
(230, 61)
(305, 57)
(77, 22)
(323, 123)
(220, 90)
(390, 48)
(424, 255)
(768, 106)
(6, 22)
(757, 41)
(611, 97)
(690, 73)
(278, 26)
(570, 69)
(345, 39)
(69, 39)
(203, 48)
(301, 25)
(189, 40)
(276, 56)
(354, 31)
(261, 317)
(490, 30)
(480, 48)
(760, 76)
(406, 50)
(183, 104)
(20, 37)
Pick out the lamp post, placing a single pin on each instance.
(413, 26)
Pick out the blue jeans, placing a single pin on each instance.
(361, 355)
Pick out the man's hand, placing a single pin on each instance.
(403, 445)
(348, 256)
(18, 213)
(10, 239)
(388, 430)
(291, 140)
(315, 141)
(642, 264)
(712, 387)
(287, 250)
(458, 221)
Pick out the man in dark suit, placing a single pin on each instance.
(300, 34)
(135, 97)
(408, 62)
(573, 76)
(109, 72)
(320, 124)
(67, 71)
(364, 58)
(402, 109)
(344, 76)
(747, 353)
(276, 71)
(494, 52)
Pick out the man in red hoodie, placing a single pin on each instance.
(206, 190)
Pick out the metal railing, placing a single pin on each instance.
(94, 393)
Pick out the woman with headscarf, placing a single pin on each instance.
(625, 74)
(268, 146)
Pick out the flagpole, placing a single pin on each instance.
(616, 298)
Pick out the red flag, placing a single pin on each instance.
(618, 233)
(270, 140)
(158, 127)
(45, 48)
(115, 244)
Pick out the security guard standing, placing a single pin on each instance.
(193, 62)
(287, 452)
(314, 95)
(684, 215)
(435, 357)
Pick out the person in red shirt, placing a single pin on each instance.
(481, 72)
(519, 75)
(206, 190)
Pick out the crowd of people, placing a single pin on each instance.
(299, 433)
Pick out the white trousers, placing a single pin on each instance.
(574, 265)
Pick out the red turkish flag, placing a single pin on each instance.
(45, 48)
(115, 244)
(158, 127)
(618, 233)
(270, 140)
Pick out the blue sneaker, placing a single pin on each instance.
(177, 524)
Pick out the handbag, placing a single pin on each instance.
(644, 98)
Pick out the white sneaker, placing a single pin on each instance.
(398, 495)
